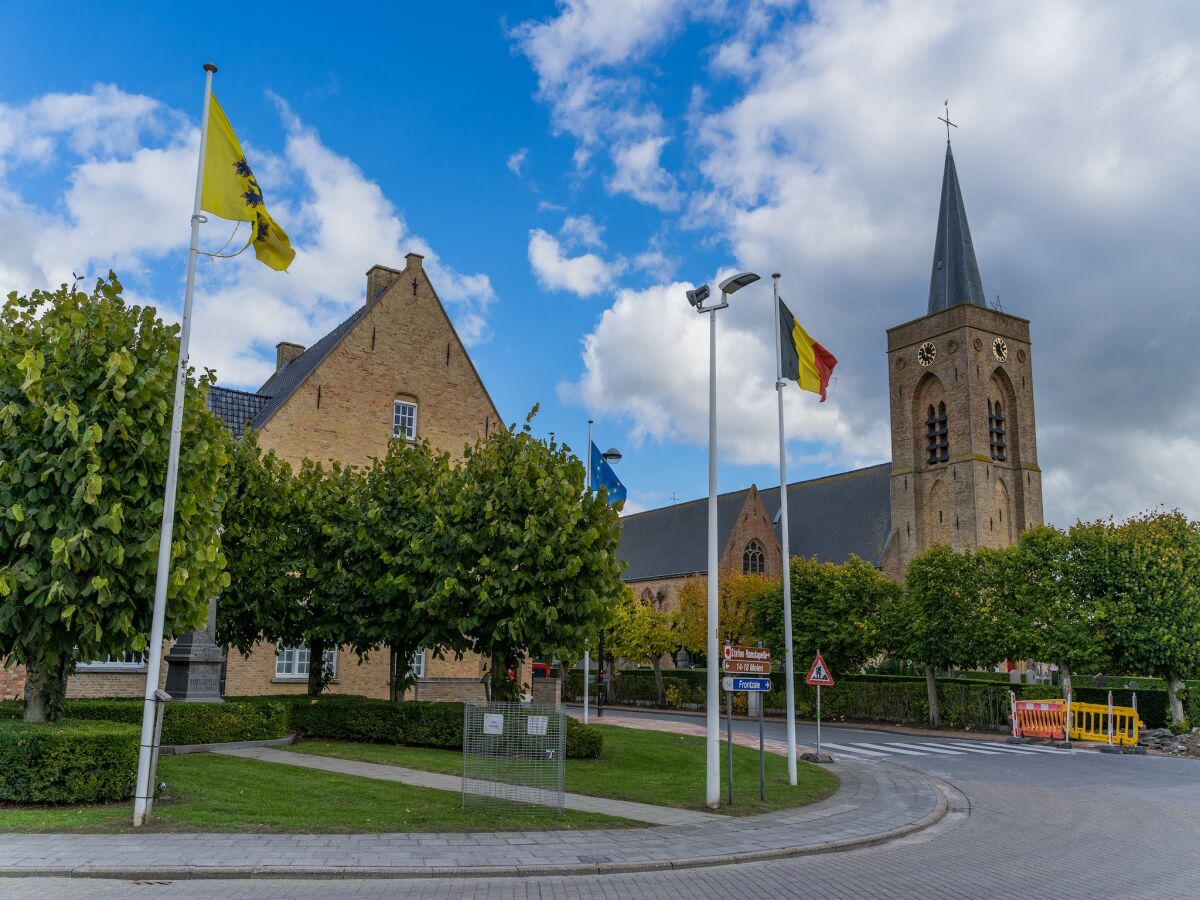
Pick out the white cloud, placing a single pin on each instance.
(582, 231)
(584, 275)
(647, 363)
(639, 173)
(1076, 153)
(127, 207)
(517, 160)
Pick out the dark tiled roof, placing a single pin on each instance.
(674, 540)
(280, 386)
(832, 517)
(829, 518)
(955, 277)
(236, 408)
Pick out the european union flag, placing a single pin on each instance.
(604, 477)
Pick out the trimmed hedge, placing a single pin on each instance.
(70, 761)
(968, 702)
(186, 723)
(583, 741)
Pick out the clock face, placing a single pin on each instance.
(926, 353)
(1000, 349)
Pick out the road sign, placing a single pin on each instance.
(819, 673)
(734, 683)
(747, 667)
(757, 654)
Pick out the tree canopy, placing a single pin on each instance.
(87, 385)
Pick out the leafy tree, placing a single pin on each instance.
(835, 609)
(735, 612)
(1057, 615)
(295, 579)
(1155, 590)
(531, 565)
(641, 633)
(398, 556)
(937, 621)
(86, 390)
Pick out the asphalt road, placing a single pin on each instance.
(1034, 824)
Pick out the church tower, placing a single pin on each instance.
(964, 451)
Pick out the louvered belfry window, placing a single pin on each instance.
(937, 435)
(996, 432)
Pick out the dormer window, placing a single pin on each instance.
(404, 420)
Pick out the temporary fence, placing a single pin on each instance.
(1040, 719)
(1105, 723)
(513, 753)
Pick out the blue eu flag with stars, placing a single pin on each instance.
(604, 477)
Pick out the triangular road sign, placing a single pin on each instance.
(819, 673)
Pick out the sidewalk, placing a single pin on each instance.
(875, 803)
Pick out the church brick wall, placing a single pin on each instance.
(959, 501)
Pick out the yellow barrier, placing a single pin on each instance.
(1089, 722)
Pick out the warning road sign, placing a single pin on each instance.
(819, 673)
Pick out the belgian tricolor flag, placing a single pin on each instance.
(804, 361)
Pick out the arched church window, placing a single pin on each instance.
(754, 560)
(996, 431)
(937, 435)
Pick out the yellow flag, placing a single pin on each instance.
(231, 191)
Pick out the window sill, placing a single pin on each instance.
(101, 669)
(296, 679)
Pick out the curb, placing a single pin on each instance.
(184, 749)
(182, 873)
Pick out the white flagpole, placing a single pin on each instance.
(145, 788)
(587, 657)
(788, 662)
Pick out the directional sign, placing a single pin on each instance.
(747, 667)
(735, 684)
(819, 673)
(757, 654)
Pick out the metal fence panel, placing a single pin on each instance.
(513, 753)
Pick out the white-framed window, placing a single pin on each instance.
(294, 662)
(404, 420)
(416, 663)
(134, 660)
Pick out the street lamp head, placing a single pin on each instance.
(737, 282)
(612, 454)
(698, 296)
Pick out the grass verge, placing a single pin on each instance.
(219, 793)
(643, 766)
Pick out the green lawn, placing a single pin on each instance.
(646, 766)
(218, 793)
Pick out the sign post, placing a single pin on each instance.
(818, 674)
(740, 665)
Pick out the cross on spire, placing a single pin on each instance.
(949, 124)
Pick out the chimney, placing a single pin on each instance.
(379, 279)
(413, 260)
(285, 352)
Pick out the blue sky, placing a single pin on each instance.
(570, 168)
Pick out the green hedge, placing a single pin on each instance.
(187, 723)
(583, 741)
(69, 761)
(967, 702)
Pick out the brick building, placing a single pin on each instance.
(394, 370)
(964, 466)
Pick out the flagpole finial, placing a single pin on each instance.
(209, 67)
(776, 275)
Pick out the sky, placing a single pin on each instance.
(569, 169)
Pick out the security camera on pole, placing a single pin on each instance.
(713, 706)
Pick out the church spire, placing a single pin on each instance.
(955, 277)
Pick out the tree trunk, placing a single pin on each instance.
(502, 688)
(935, 714)
(44, 693)
(658, 681)
(1174, 701)
(1064, 672)
(316, 667)
(399, 674)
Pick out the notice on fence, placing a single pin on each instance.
(493, 724)
(537, 725)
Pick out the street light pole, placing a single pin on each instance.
(712, 757)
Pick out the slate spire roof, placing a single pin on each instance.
(955, 277)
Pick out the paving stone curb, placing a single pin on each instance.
(946, 799)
